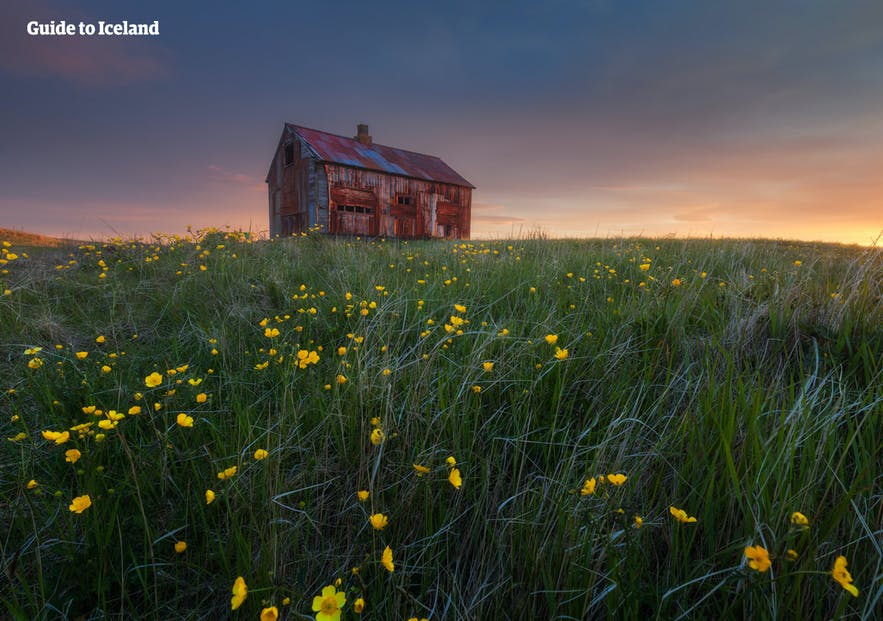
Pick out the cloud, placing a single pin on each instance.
(93, 61)
(487, 213)
(222, 175)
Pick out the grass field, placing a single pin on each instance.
(535, 422)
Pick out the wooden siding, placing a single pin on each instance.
(352, 201)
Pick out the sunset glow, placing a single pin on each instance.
(574, 119)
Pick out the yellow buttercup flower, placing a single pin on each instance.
(271, 333)
(680, 515)
(616, 479)
(32, 484)
(561, 354)
(81, 355)
(260, 454)
(487, 366)
(180, 547)
(184, 421)
(421, 470)
(759, 558)
(201, 397)
(676, 282)
(386, 560)
(378, 521)
(454, 478)
(72, 455)
(359, 606)
(842, 576)
(80, 504)
(459, 308)
(228, 473)
(798, 519)
(329, 604)
(240, 592)
(589, 487)
(451, 461)
(341, 379)
(377, 436)
(209, 496)
(59, 437)
(270, 614)
(639, 521)
(153, 380)
(551, 339)
(362, 495)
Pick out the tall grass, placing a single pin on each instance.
(739, 381)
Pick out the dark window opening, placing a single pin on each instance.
(289, 153)
(404, 199)
(355, 208)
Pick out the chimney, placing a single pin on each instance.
(362, 136)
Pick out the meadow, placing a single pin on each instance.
(209, 427)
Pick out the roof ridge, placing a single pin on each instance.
(386, 146)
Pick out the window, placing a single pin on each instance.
(289, 153)
(404, 199)
(355, 209)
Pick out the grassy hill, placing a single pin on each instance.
(511, 429)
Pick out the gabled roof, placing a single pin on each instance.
(336, 149)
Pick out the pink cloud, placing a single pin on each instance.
(223, 175)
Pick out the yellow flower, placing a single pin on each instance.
(100, 338)
(644, 267)
(454, 478)
(476, 389)
(616, 479)
(798, 519)
(209, 496)
(153, 380)
(201, 397)
(377, 436)
(271, 333)
(759, 558)
(451, 461)
(32, 484)
(35, 363)
(59, 437)
(72, 455)
(421, 470)
(184, 420)
(791, 554)
(639, 521)
(487, 366)
(134, 410)
(81, 355)
(341, 351)
(551, 339)
(80, 504)
(260, 454)
(270, 614)
(842, 575)
(240, 592)
(798, 263)
(180, 547)
(459, 308)
(561, 354)
(341, 379)
(676, 282)
(680, 515)
(21, 435)
(378, 521)
(589, 487)
(359, 606)
(386, 560)
(106, 369)
(226, 474)
(329, 604)
(362, 495)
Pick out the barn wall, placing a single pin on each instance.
(430, 200)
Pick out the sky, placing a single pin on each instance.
(574, 118)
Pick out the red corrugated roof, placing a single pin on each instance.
(350, 152)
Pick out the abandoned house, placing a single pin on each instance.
(352, 186)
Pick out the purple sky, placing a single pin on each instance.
(577, 117)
